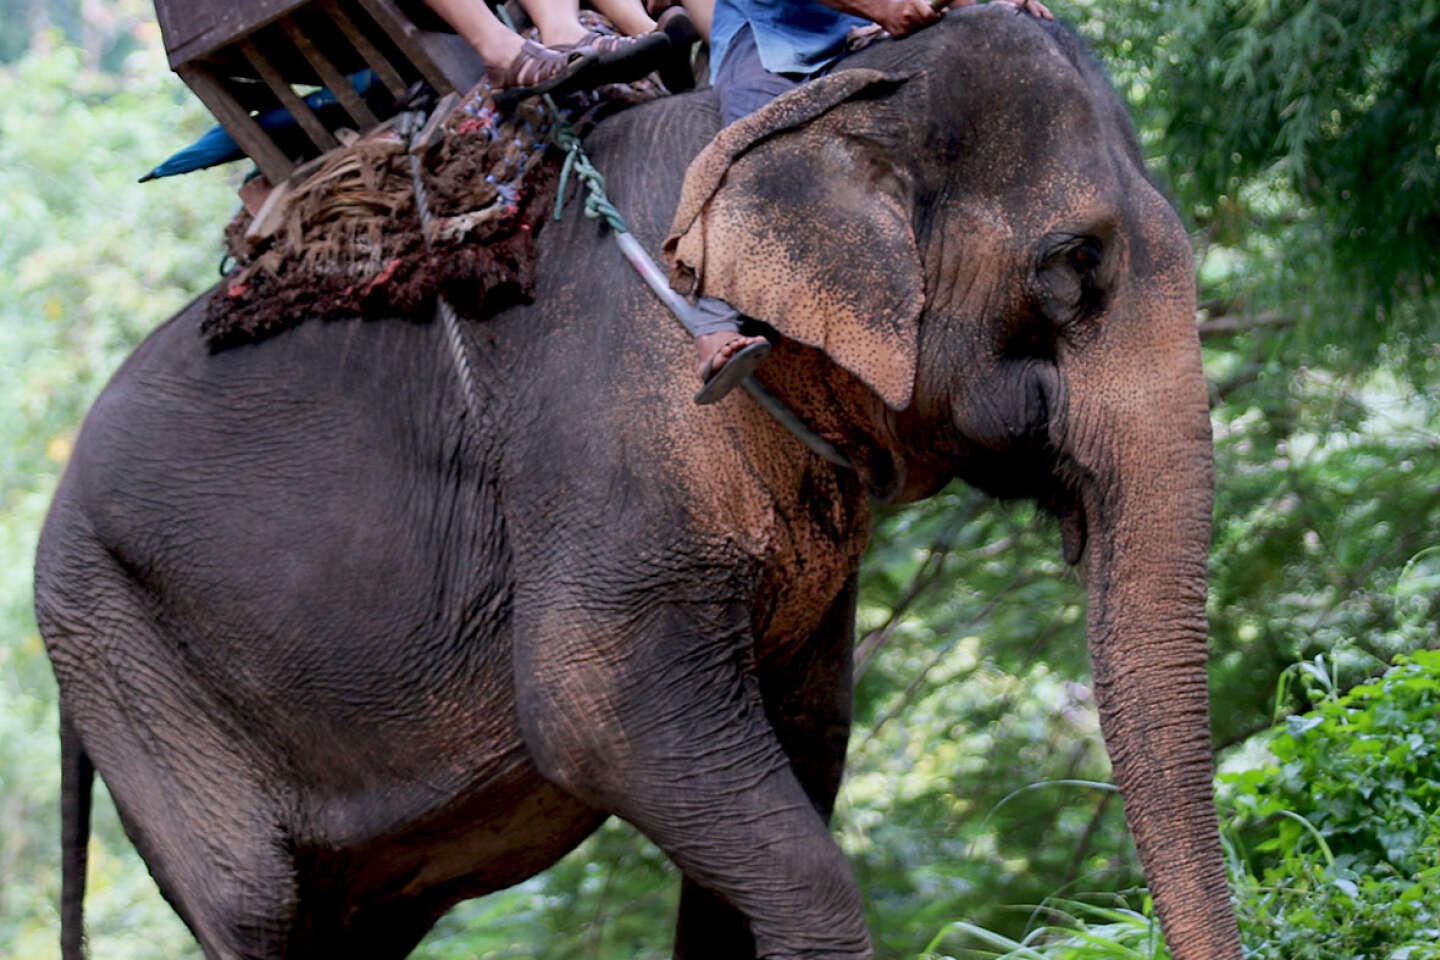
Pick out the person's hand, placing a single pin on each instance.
(1033, 7)
(901, 17)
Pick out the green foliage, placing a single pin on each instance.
(970, 782)
(1337, 841)
(1072, 930)
(1333, 838)
(107, 32)
(1304, 138)
(1329, 503)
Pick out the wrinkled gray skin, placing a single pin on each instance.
(346, 656)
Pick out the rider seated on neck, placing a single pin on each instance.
(760, 49)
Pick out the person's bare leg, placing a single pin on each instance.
(496, 43)
(629, 16)
(557, 20)
(701, 13)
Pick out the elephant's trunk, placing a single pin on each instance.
(1145, 449)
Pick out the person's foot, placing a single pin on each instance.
(726, 358)
(537, 69)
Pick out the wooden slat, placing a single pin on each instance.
(199, 28)
(302, 113)
(372, 56)
(403, 31)
(331, 76)
(238, 123)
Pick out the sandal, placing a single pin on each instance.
(538, 69)
(678, 71)
(533, 65)
(603, 43)
(615, 49)
(623, 59)
(719, 382)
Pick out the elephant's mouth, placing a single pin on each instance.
(1070, 511)
(1063, 498)
(1052, 485)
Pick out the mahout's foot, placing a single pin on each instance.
(725, 359)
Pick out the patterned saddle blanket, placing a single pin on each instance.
(343, 238)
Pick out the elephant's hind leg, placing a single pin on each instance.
(220, 861)
(202, 818)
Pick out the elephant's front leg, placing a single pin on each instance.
(807, 693)
(657, 716)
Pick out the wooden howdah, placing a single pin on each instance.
(243, 59)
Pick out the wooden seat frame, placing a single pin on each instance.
(241, 59)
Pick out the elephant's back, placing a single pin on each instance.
(310, 522)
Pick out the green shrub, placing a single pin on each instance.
(1336, 845)
(1333, 842)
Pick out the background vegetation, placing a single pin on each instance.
(1302, 143)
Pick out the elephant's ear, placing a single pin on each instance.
(793, 217)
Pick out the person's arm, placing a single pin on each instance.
(899, 17)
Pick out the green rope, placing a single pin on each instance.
(597, 202)
(562, 135)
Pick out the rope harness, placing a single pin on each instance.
(597, 206)
(410, 126)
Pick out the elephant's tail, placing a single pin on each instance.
(77, 780)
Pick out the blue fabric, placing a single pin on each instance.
(713, 315)
(216, 146)
(794, 37)
(742, 83)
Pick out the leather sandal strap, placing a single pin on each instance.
(534, 64)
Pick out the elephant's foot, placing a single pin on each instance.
(726, 358)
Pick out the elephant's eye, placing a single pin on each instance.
(1085, 255)
(1069, 279)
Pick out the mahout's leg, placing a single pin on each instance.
(808, 701)
(649, 707)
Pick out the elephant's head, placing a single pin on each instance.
(957, 241)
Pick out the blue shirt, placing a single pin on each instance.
(799, 37)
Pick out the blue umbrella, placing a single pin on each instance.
(216, 146)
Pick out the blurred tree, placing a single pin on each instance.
(1304, 139)
(106, 31)
(89, 262)
(977, 774)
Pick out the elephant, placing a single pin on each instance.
(354, 627)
